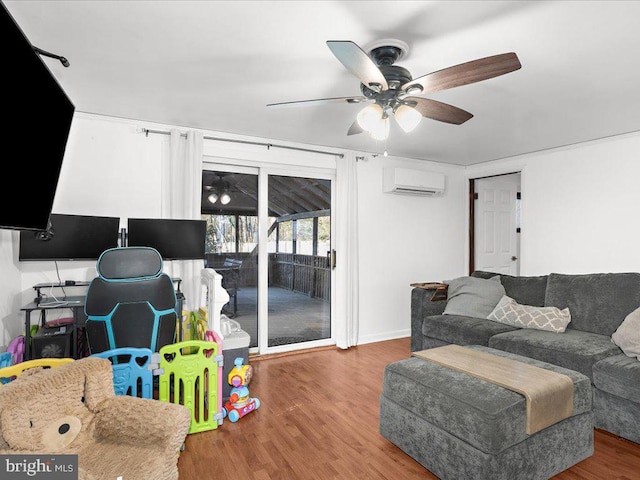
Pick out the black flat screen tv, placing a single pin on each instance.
(70, 237)
(175, 239)
(38, 117)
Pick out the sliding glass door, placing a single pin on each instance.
(299, 246)
(230, 207)
(269, 236)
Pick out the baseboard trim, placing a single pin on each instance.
(381, 337)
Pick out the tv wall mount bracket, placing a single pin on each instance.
(63, 60)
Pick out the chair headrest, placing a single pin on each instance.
(125, 263)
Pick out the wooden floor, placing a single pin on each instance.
(318, 419)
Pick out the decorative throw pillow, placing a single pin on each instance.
(510, 312)
(627, 336)
(473, 297)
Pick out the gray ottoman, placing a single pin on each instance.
(461, 427)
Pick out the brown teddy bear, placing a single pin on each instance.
(72, 409)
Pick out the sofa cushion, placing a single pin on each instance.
(462, 330)
(572, 349)
(524, 290)
(627, 336)
(473, 297)
(618, 375)
(598, 302)
(510, 312)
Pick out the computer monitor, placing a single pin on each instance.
(175, 239)
(70, 237)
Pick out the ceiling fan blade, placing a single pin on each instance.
(465, 73)
(442, 112)
(355, 128)
(320, 101)
(358, 63)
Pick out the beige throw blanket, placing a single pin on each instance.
(549, 395)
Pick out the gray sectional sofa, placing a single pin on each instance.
(598, 304)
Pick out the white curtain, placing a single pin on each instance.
(347, 269)
(182, 187)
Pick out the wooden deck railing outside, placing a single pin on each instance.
(307, 274)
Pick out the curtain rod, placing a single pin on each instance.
(147, 131)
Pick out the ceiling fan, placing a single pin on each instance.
(219, 189)
(390, 89)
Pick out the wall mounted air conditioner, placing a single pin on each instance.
(412, 182)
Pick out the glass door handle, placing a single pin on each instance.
(331, 256)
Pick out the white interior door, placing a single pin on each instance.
(497, 241)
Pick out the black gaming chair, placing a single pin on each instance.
(131, 303)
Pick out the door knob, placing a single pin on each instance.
(514, 258)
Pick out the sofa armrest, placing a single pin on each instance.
(126, 419)
(422, 306)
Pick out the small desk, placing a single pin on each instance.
(41, 286)
(75, 303)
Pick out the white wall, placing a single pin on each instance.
(579, 206)
(113, 169)
(405, 239)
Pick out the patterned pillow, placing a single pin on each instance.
(510, 312)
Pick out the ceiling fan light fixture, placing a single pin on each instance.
(380, 130)
(369, 117)
(407, 117)
(219, 190)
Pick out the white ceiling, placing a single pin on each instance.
(215, 65)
